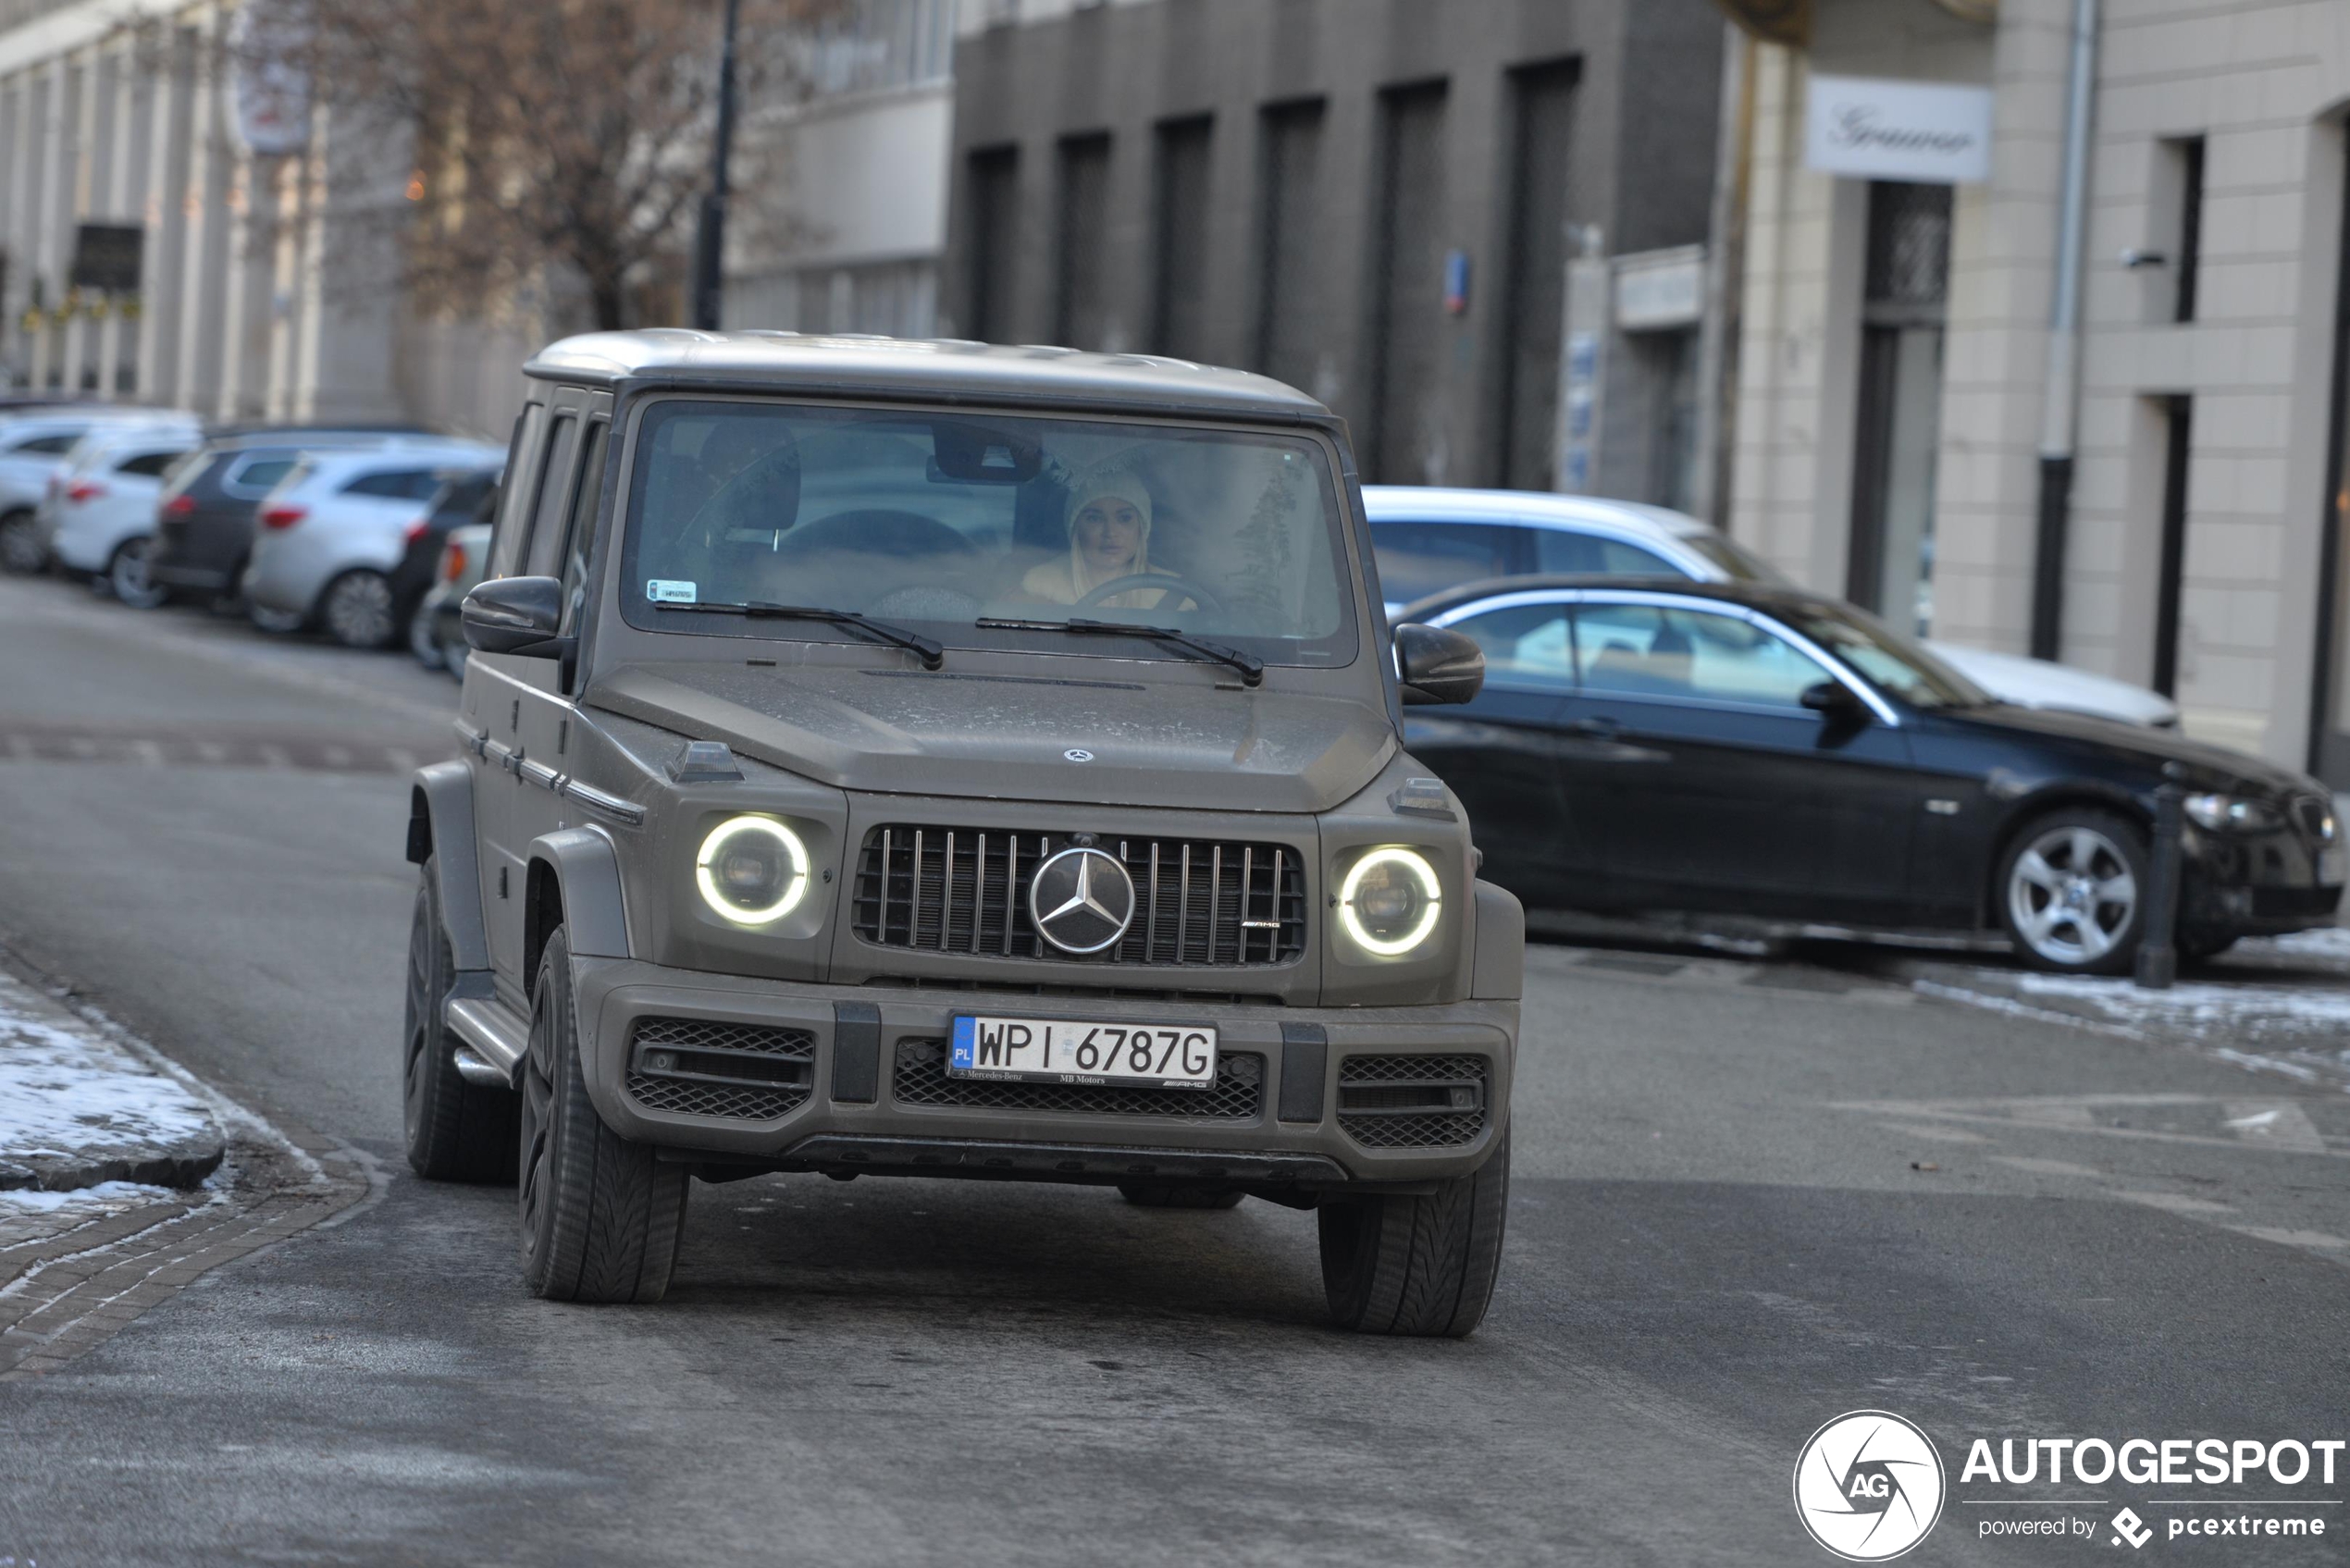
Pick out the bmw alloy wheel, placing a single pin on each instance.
(357, 611)
(2072, 895)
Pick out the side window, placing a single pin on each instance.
(1645, 650)
(1419, 559)
(517, 495)
(150, 464)
(1557, 549)
(543, 554)
(48, 446)
(579, 532)
(1526, 646)
(257, 476)
(401, 484)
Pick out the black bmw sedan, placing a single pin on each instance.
(1746, 750)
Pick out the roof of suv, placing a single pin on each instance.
(857, 366)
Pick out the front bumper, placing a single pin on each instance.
(874, 1099)
(2260, 885)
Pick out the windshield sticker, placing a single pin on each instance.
(667, 590)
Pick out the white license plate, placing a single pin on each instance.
(1073, 1051)
(2331, 866)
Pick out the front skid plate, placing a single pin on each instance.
(1042, 1162)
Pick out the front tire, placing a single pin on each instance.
(127, 575)
(358, 610)
(601, 1215)
(456, 1131)
(1418, 1265)
(2072, 891)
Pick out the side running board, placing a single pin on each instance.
(493, 1036)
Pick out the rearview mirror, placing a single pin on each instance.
(515, 615)
(1437, 664)
(1834, 699)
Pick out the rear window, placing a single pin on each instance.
(256, 473)
(403, 484)
(150, 464)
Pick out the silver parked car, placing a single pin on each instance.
(334, 531)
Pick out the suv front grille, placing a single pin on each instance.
(1197, 902)
(921, 1079)
(1411, 1102)
(746, 1072)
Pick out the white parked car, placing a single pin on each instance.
(99, 514)
(331, 533)
(33, 447)
(1431, 540)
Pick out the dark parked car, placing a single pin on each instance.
(1746, 749)
(469, 498)
(204, 520)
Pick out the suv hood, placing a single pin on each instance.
(1178, 746)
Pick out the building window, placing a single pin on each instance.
(1080, 298)
(1289, 326)
(1890, 569)
(2190, 155)
(994, 257)
(1179, 314)
(1542, 114)
(2170, 583)
(1410, 332)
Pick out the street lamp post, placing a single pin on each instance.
(709, 241)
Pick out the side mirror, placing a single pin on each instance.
(1437, 664)
(515, 615)
(1834, 699)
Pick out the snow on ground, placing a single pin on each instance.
(106, 1197)
(64, 1092)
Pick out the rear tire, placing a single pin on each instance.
(358, 610)
(127, 575)
(21, 551)
(601, 1215)
(1418, 1265)
(1176, 1195)
(456, 1131)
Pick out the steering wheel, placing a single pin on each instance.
(1167, 580)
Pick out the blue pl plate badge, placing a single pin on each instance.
(966, 1035)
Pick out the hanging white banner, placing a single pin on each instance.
(1929, 132)
(266, 43)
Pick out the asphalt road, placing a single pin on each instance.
(1748, 1197)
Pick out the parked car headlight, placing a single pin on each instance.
(2238, 813)
(752, 869)
(1390, 902)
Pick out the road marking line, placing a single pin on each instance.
(2175, 1202)
(2048, 1167)
(2279, 1123)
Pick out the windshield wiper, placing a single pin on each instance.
(1252, 668)
(932, 653)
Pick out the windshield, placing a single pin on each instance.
(1888, 660)
(941, 524)
(1739, 564)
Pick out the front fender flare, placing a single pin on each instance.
(440, 828)
(586, 896)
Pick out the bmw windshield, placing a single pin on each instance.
(983, 530)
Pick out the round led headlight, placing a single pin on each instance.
(752, 869)
(1390, 901)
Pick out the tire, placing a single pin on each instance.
(2072, 891)
(456, 1131)
(1177, 1195)
(1418, 1265)
(127, 575)
(359, 610)
(421, 641)
(21, 551)
(453, 659)
(601, 1216)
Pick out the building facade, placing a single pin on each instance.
(1902, 423)
(1417, 210)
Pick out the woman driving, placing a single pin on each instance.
(1110, 537)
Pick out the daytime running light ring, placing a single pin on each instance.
(717, 840)
(1432, 893)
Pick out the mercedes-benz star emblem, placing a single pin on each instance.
(1077, 754)
(1081, 900)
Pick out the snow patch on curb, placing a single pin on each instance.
(75, 1111)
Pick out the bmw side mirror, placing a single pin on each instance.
(520, 615)
(1437, 664)
(1834, 699)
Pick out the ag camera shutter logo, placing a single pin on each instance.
(1869, 1486)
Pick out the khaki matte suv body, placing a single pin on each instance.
(926, 758)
